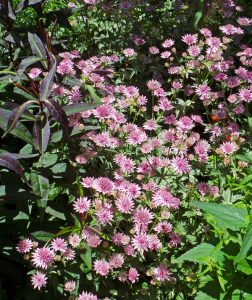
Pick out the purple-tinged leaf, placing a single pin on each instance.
(37, 47)
(58, 113)
(27, 62)
(15, 115)
(78, 107)
(47, 82)
(26, 3)
(41, 132)
(19, 155)
(10, 12)
(11, 164)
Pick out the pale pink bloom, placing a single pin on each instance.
(103, 185)
(92, 2)
(24, 246)
(87, 296)
(165, 54)
(203, 188)
(163, 197)
(173, 70)
(168, 43)
(133, 275)
(58, 244)
(34, 73)
(233, 81)
(164, 104)
(153, 50)
(93, 240)
(203, 91)
(245, 95)
(137, 137)
(206, 32)
(69, 254)
(124, 203)
(65, 67)
(104, 214)
(190, 39)
(142, 100)
(202, 149)
(81, 159)
(138, 40)
(101, 267)
(161, 273)
(74, 240)
(180, 165)
(163, 227)
(104, 111)
(141, 242)
(150, 125)
(228, 147)
(142, 216)
(38, 280)
(155, 243)
(194, 50)
(69, 286)
(116, 261)
(244, 21)
(185, 123)
(131, 91)
(153, 85)
(117, 238)
(197, 119)
(87, 182)
(129, 250)
(230, 29)
(42, 257)
(129, 52)
(81, 205)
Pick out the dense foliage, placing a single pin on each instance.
(125, 149)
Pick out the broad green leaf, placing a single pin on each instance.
(55, 213)
(41, 132)
(246, 244)
(244, 267)
(203, 253)
(230, 216)
(93, 94)
(87, 258)
(78, 107)
(42, 235)
(20, 131)
(40, 186)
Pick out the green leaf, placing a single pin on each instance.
(87, 258)
(230, 216)
(93, 94)
(20, 131)
(203, 253)
(55, 213)
(42, 236)
(40, 186)
(244, 267)
(78, 107)
(246, 244)
(197, 18)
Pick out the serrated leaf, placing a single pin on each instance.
(202, 253)
(228, 215)
(246, 244)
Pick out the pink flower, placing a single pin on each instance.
(244, 21)
(153, 50)
(142, 216)
(38, 280)
(24, 246)
(81, 205)
(103, 185)
(101, 267)
(190, 39)
(104, 214)
(87, 296)
(65, 67)
(59, 244)
(161, 273)
(93, 240)
(74, 240)
(153, 85)
(69, 286)
(168, 43)
(141, 242)
(124, 203)
(116, 261)
(92, 2)
(228, 147)
(180, 165)
(163, 227)
(150, 125)
(133, 275)
(203, 91)
(87, 182)
(194, 50)
(42, 257)
(34, 72)
(164, 198)
(129, 52)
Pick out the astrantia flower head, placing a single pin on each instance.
(42, 257)
(81, 205)
(34, 72)
(101, 267)
(180, 165)
(59, 244)
(103, 185)
(38, 280)
(69, 286)
(24, 246)
(87, 296)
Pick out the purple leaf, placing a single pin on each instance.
(78, 107)
(10, 12)
(27, 62)
(15, 115)
(11, 164)
(41, 132)
(47, 82)
(37, 47)
(58, 113)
